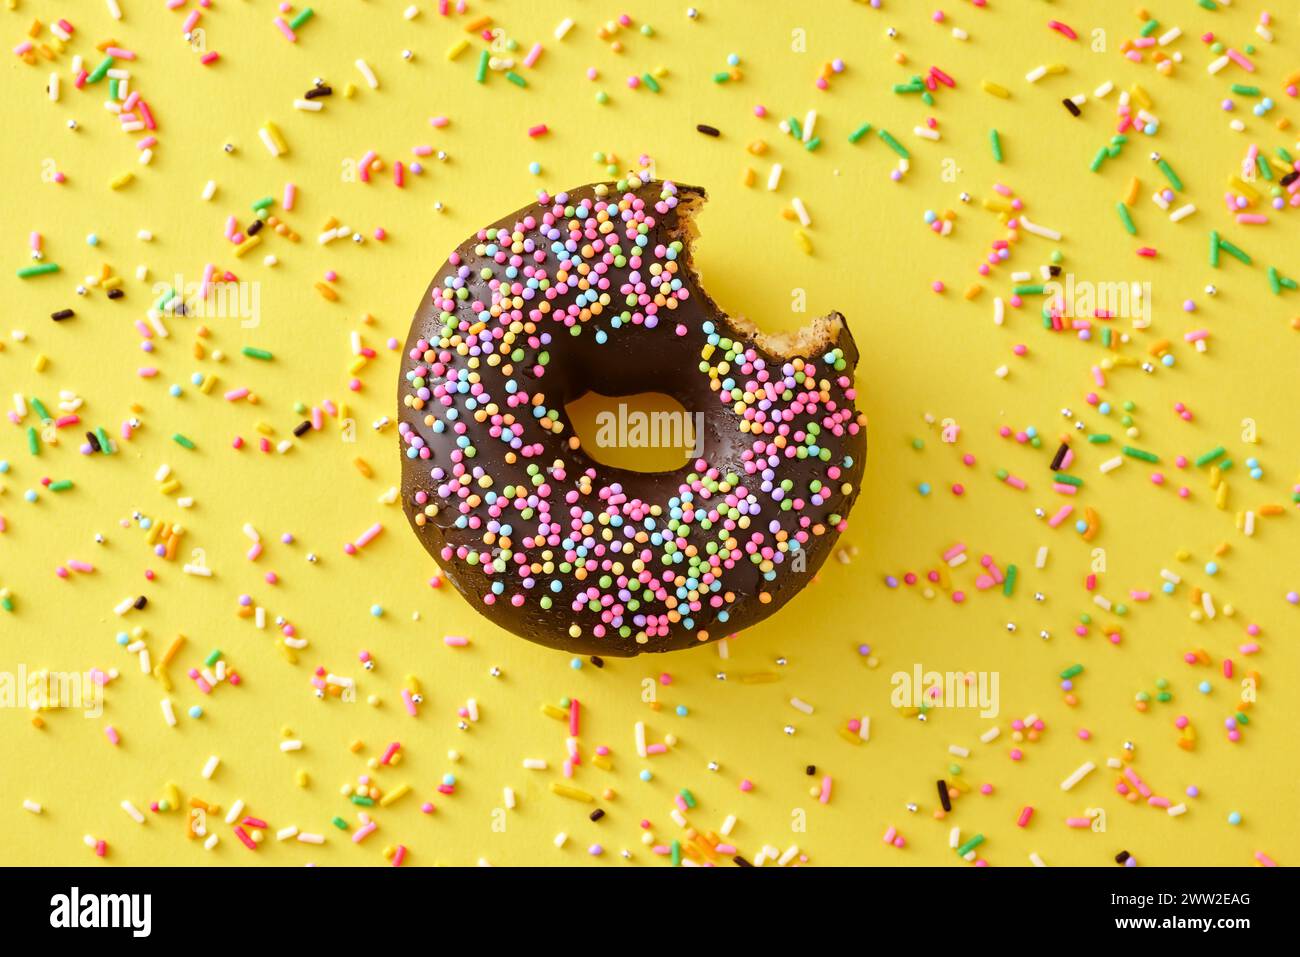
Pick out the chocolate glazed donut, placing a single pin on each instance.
(593, 290)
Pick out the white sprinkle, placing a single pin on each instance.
(801, 705)
(1104, 90)
(305, 838)
(1101, 601)
(990, 735)
(368, 73)
(209, 190)
(864, 728)
(565, 26)
(727, 825)
(809, 121)
(639, 728)
(1217, 65)
(268, 141)
(169, 712)
(236, 809)
(954, 837)
(114, 10)
(212, 841)
(790, 853)
(1036, 860)
(1036, 74)
(926, 133)
(801, 211)
(774, 177)
(1207, 602)
(54, 87)
(1169, 36)
(210, 768)
(133, 811)
(1082, 772)
(508, 795)
(1040, 560)
(1176, 810)
(1041, 231)
(534, 764)
(286, 832)
(561, 839)
(1182, 212)
(1111, 465)
(32, 806)
(999, 311)
(309, 106)
(291, 745)
(959, 751)
(201, 570)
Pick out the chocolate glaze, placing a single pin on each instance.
(633, 359)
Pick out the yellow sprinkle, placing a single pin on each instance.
(457, 48)
(551, 711)
(759, 678)
(41, 362)
(564, 790)
(1131, 194)
(748, 177)
(124, 180)
(251, 242)
(276, 135)
(1055, 68)
(804, 242)
(169, 486)
(996, 89)
(396, 794)
(973, 291)
(1140, 96)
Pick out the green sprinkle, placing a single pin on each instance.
(105, 444)
(213, 657)
(812, 144)
(263, 203)
(1208, 4)
(1241, 89)
(1274, 282)
(1009, 585)
(721, 77)
(1099, 159)
(1150, 27)
(100, 71)
(182, 441)
(33, 440)
(1105, 336)
(1033, 289)
(1071, 671)
(112, 88)
(1225, 465)
(300, 19)
(647, 79)
(257, 353)
(1265, 170)
(1210, 456)
(480, 75)
(1236, 252)
(894, 145)
(1126, 219)
(6, 600)
(41, 269)
(1214, 248)
(1067, 479)
(677, 853)
(795, 129)
(970, 845)
(688, 797)
(1140, 454)
(995, 141)
(860, 132)
(1100, 438)
(362, 800)
(62, 485)
(341, 824)
(39, 406)
(1170, 175)
(518, 80)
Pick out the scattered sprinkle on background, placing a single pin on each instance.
(975, 96)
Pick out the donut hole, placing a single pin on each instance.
(643, 432)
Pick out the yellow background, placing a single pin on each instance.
(874, 260)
